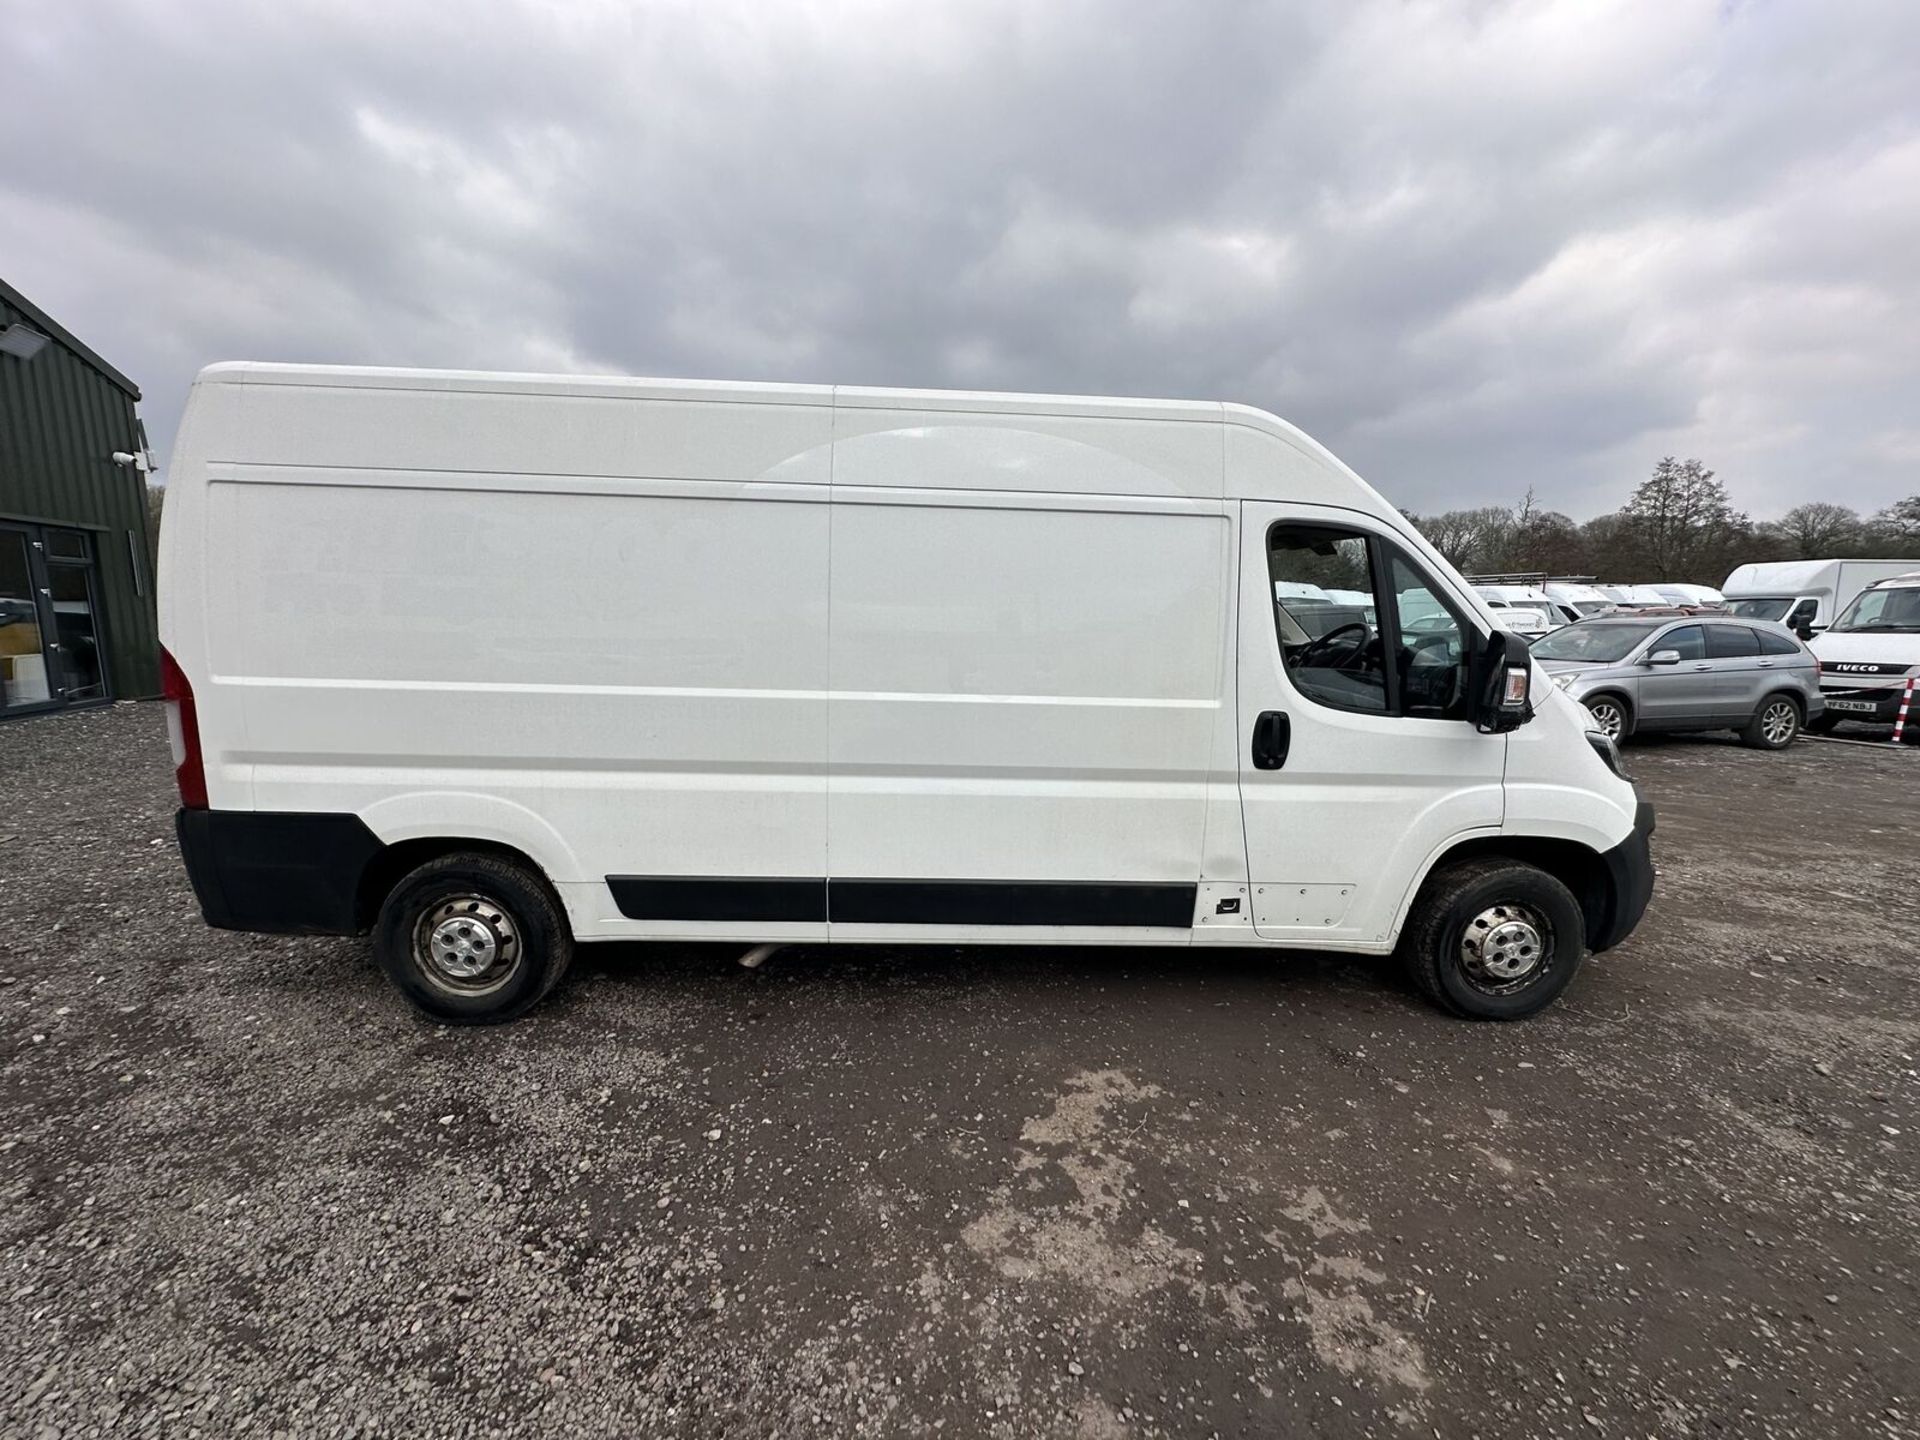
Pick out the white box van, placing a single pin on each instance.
(491, 665)
(1803, 595)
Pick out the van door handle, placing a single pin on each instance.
(1272, 737)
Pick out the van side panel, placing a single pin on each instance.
(619, 676)
(1026, 687)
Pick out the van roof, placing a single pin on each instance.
(377, 377)
(1260, 451)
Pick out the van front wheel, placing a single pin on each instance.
(473, 939)
(1493, 939)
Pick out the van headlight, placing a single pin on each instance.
(1564, 679)
(1608, 749)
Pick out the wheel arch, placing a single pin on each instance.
(400, 859)
(419, 826)
(1579, 867)
(1784, 692)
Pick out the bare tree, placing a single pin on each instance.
(1682, 515)
(1901, 520)
(1817, 530)
(1470, 539)
(1679, 525)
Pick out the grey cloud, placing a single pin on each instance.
(1471, 247)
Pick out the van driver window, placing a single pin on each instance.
(1433, 648)
(1335, 631)
(1325, 611)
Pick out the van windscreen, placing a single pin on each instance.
(1767, 607)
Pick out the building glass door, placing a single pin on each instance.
(25, 682)
(50, 651)
(76, 628)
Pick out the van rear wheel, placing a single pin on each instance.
(473, 939)
(1493, 939)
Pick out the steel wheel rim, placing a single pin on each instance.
(1505, 948)
(1776, 723)
(1609, 719)
(467, 945)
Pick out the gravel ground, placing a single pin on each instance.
(975, 1193)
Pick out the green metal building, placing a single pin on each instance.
(76, 573)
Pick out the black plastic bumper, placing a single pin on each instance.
(1885, 703)
(276, 872)
(1630, 869)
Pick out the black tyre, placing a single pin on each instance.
(1775, 725)
(1820, 724)
(1611, 716)
(473, 939)
(1493, 939)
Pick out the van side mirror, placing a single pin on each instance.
(1664, 657)
(1502, 684)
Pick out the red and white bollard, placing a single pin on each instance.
(1906, 704)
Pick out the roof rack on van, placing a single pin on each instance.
(1529, 577)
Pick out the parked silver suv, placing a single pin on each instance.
(1699, 672)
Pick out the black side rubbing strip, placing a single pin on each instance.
(714, 897)
(1010, 902)
(904, 902)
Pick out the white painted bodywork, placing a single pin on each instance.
(673, 628)
(1831, 584)
(1568, 592)
(1684, 594)
(1519, 608)
(1894, 654)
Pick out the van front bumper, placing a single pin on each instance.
(276, 872)
(1876, 704)
(1630, 875)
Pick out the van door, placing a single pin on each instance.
(1358, 759)
(1025, 692)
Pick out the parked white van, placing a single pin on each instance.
(1580, 600)
(1871, 654)
(1803, 595)
(492, 665)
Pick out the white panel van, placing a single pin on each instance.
(1804, 595)
(495, 665)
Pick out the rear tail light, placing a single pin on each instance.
(183, 730)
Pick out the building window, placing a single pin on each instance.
(67, 545)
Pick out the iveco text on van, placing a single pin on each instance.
(493, 665)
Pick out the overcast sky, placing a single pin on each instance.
(1473, 247)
